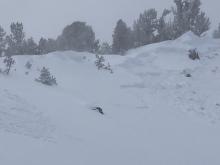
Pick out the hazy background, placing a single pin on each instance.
(48, 17)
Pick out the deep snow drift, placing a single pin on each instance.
(154, 114)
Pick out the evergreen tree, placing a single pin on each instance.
(46, 78)
(31, 48)
(100, 62)
(46, 46)
(164, 29)
(16, 39)
(105, 48)
(202, 24)
(2, 41)
(78, 36)
(42, 46)
(188, 16)
(216, 33)
(51, 45)
(145, 28)
(96, 46)
(122, 38)
(180, 17)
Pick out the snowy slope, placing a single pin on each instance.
(154, 114)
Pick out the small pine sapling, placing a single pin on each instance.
(46, 78)
(101, 65)
(100, 62)
(108, 67)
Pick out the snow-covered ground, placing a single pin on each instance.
(154, 114)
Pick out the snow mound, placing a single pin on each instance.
(188, 37)
(154, 112)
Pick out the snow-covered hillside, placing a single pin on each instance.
(154, 114)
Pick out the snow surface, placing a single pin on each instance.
(154, 114)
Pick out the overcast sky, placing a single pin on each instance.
(48, 17)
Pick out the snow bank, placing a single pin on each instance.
(154, 114)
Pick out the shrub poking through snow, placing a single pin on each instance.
(46, 78)
(193, 54)
(28, 65)
(101, 65)
(9, 62)
(108, 67)
(98, 109)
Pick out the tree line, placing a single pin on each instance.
(150, 27)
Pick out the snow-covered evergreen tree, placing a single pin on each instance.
(46, 78)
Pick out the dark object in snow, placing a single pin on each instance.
(98, 109)
(188, 75)
(218, 104)
(28, 65)
(193, 54)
